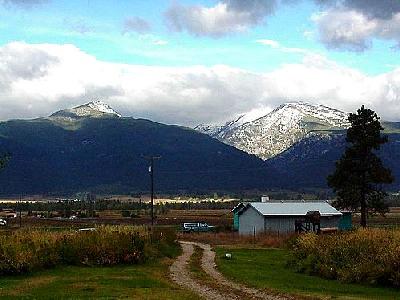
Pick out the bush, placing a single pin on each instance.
(28, 250)
(364, 256)
(125, 213)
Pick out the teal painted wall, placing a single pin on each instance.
(345, 222)
(236, 221)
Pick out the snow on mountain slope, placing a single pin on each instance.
(102, 107)
(92, 109)
(219, 131)
(275, 132)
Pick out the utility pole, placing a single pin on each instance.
(151, 171)
(20, 212)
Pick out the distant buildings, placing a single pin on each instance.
(7, 213)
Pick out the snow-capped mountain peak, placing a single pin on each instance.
(218, 130)
(102, 107)
(273, 133)
(93, 109)
(326, 114)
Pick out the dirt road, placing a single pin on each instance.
(223, 288)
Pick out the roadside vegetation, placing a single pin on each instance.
(27, 250)
(364, 256)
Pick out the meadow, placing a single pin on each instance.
(142, 281)
(276, 262)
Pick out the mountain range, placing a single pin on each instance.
(301, 141)
(275, 132)
(93, 148)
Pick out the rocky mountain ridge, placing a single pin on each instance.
(278, 130)
(93, 109)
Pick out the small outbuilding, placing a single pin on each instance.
(285, 216)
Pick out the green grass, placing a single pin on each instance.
(198, 272)
(266, 268)
(147, 281)
(195, 264)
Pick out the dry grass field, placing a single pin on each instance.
(391, 219)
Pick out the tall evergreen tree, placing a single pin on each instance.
(359, 173)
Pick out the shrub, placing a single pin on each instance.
(365, 256)
(28, 250)
(268, 239)
(125, 213)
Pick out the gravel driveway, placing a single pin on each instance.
(181, 275)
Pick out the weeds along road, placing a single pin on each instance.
(220, 287)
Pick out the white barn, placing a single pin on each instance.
(281, 216)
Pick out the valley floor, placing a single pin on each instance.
(199, 272)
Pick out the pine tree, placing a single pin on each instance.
(359, 173)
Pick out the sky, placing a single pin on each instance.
(189, 61)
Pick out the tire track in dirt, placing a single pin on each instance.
(180, 273)
(209, 266)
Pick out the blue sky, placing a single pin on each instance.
(104, 37)
(275, 36)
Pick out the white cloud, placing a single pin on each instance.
(227, 16)
(36, 80)
(271, 43)
(354, 30)
(373, 9)
(278, 46)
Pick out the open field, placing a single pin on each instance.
(148, 281)
(390, 219)
(217, 217)
(267, 269)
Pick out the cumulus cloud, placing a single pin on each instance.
(136, 24)
(36, 80)
(382, 9)
(22, 3)
(227, 16)
(353, 24)
(276, 45)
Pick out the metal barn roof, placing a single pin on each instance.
(294, 208)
